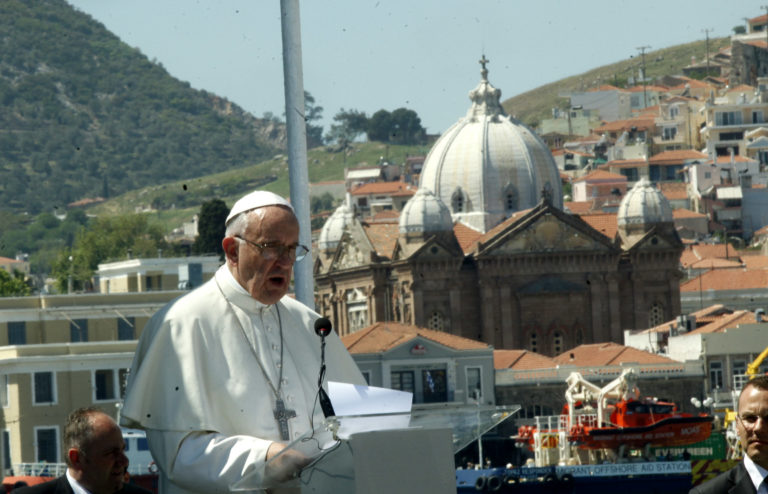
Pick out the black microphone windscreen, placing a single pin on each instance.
(323, 327)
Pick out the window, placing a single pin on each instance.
(78, 330)
(707, 174)
(727, 118)
(44, 388)
(533, 343)
(125, 329)
(757, 116)
(403, 381)
(46, 447)
(557, 342)
(104, 384)
(510, 198)
(669, 133)
(357, 310)
(674, 111)
(434, 386)
(6, 449)
(17, 333)
(474, 383)
(436, 321)
(656, 315)
(457, 201)
(716, 375)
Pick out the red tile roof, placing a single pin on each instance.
(604, 87)
(601, 175)
(755, 262)
(728, 279)
(521, 360)
(727, 321)
(383, 236)
(676, 157)
(711, 313)
(390, 188)
(640, 123)
(605, 223)
(742, 88)
(384, 336)
(681, 213)
(602, 354)
(466, 236)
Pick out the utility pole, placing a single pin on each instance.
(706, 33)
(645, 94)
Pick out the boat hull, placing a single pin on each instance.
(673, 431)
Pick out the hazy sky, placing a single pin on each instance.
(418, 54)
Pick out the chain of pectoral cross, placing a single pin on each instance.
(280, 413)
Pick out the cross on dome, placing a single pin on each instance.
(484, 73)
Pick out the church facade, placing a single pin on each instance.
(484, 249)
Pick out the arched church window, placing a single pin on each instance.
(510, 198)
(457, 201)
(436, 321)
(357, 310)
(533, 343)
(655, 315)
(557, 342)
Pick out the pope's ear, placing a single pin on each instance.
(230, 244)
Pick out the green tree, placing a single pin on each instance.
(13, 285)
(313, 113)
(348, 127)
(406, 127)
(210, 227)
(379, 126)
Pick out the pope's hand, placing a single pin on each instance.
(287, 465)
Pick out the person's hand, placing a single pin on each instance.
(286, 466)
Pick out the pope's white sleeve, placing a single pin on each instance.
(208, 461)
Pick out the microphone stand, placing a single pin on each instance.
(325, 401)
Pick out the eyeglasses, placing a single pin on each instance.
(749, 421)
(275, 250)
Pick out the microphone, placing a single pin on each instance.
(323, 328)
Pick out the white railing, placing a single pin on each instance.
(44, 469)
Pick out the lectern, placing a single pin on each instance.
(382, 454)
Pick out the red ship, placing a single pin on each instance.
(613, 418)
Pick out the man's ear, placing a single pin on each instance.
(230, 245)
(75, 458)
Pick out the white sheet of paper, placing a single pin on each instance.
(359, 408)
(354, 399)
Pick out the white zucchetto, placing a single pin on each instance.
(257, 199)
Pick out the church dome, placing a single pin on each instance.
(334, 227)
(489, 165)
(644, 204)
(425, 213)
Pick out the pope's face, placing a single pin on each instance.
(752, 424)
(267, 280)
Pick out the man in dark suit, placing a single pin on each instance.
(95, 454)
(752, 427)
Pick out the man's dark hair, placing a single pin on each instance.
(759, 382)
(78, 430)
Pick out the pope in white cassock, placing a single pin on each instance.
(226, 375)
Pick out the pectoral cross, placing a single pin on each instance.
(282, 415)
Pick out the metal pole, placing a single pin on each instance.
(297, 143)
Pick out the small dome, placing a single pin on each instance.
(425, 213)
(334, 227)
(489, 165)
(644, 204)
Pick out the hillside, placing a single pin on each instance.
(176, 202)
(84, 115)
(533, 106)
